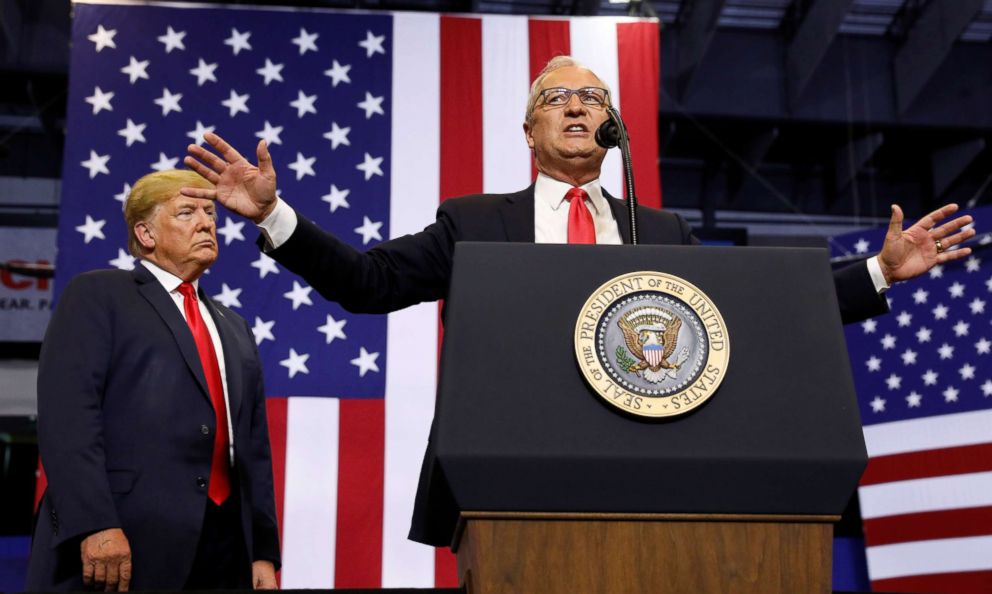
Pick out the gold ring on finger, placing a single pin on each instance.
(940, 246)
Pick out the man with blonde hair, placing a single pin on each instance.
(151, 419)
(565, 204)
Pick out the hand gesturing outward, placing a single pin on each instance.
(241, 187)
(911, 252)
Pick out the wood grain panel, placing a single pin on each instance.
(608, 556)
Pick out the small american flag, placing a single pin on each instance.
(923, 374)
(372, 119)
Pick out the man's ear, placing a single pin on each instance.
(528, 136)
(145, 235)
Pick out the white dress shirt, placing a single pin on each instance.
(171, 283)
(551, 212)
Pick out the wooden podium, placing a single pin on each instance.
(541, 487)
(532, 553)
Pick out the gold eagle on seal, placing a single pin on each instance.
(651, 333)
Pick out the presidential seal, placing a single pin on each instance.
(652, 344)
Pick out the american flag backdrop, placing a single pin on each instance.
(923, 375)
(372, 119)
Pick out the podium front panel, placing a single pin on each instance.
(517, 427)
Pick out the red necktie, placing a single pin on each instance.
(580, 226)
(220, 482)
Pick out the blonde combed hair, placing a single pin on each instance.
(555, 63)
(150, 192)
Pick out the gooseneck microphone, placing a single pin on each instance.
(613, 133)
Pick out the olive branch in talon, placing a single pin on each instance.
(624, 361)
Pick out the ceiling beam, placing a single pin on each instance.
(698, 21)
(10, 25)
(928, 44)
(666, 136)
(752, 156)
(852, 157)
(947, 164)
(813, 37)
(580, 7)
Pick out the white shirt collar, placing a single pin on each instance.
(551, 192)
(168, 280)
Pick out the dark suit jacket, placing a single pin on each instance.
(417, 268)
(126, 429)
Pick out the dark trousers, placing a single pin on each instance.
(221, 561)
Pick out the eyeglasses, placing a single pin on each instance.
(560, 96)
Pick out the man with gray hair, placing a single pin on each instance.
(565, 204)
(151, 419)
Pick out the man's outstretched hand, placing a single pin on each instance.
(911, 252)
(240, 186)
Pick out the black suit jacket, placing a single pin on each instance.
(416, 268)
(126, 429)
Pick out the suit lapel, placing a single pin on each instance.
(162, 303)
(621, 214)
(232, 362)
(517, 212)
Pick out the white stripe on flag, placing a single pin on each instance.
(947, 555)
(311, 494)
(411, 352)
(411, 378)
(929, 433)
(505, 85)
(924, 495)
(594, 43)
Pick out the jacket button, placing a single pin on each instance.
(204, 430)
(201, 482)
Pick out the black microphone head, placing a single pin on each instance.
(608, 134)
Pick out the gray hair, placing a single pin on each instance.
(554, 64)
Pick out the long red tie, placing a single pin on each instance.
(220, 481)
(581, 229)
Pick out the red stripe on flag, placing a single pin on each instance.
(445, 569)
(928, 463)
(361, 444)
(637, 57)
(276, 411)
(547, 39)
(952, 523)
(461, 153)
(461, 106)
(972, 582)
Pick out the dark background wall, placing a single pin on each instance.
(781, 121)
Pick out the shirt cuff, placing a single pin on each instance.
(278, 226)
(875, 272)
